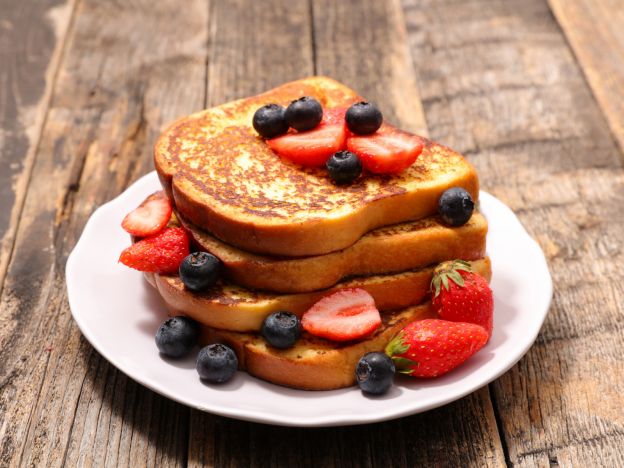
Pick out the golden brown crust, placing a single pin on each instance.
(385, 250)
(234, 308)
(225, 179)
(313, 363)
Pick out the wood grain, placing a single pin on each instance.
(407, 442)
(32, 36)
(254, 47)
(499, 83)
(364, 45)
(595, 31)
(61, 403)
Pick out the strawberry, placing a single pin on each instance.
(387, 151)
(160, 253)
(150, 217)
(461, 295)
(314, 147)
(432, 347)
(345, 315)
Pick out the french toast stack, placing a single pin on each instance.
(287, 236)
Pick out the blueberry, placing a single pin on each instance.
(216, 363)
(269, 121)
(455, 206)
(344, 167)
(363, 118)
(177, 336)
(281, 329)
(304, 114)
(200, 270)
(374, 373)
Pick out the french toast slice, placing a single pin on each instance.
(389, 249)
(312, 363)
(231, 307)
(224, 178)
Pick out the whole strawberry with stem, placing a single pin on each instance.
(460, 295)
(433, 347)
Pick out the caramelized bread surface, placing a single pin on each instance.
(389, 249)
(224, 178)
(231, 307)
(312, 363)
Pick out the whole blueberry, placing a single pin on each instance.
(177, 336)
(216, 363)
(344, 167)
(455, 206)
(304, 114)
(200, 270)
(269, 121)
(363, 118)
(374, 373)
(281, 329)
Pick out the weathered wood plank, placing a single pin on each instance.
(595, 30)
(407, 442)
(60, 402)
(499, 83)
(463, 433)
(255, 46)
(32, 35)
(364, 44)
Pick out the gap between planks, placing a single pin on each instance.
(7, 243)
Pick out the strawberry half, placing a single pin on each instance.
(432, 347)
(160, 253)
(387, 151)
(150, 217)
(314, 147)
(461, 295)
(345, 315)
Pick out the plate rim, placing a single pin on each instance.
(254, 415)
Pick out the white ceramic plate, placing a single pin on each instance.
(119, 313)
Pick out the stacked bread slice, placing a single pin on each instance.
(287, 236)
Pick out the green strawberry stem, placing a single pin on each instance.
(398, 346)
(449, 271)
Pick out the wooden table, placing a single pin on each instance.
(530, 90)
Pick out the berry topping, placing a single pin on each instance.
(281, 329)
(344, 167)
(177, 336)
(432, 347)
(304, 114)
(363, 118)
(459, 295)
(150, 217)
(270, 121)
(216, 363)
(388, 151)
(374, 373)
(314, 147)
(348, 314)
(200, 270)
(455, 206)
(160, 253)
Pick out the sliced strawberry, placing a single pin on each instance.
(160, 253)
(346, 315)
(150, 217)
(387, 151)
(314, 147)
